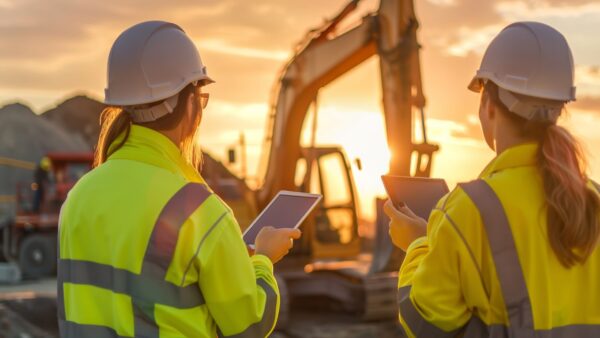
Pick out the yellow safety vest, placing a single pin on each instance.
(147, 250)
(486, 268)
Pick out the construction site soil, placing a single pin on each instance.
(23, 317)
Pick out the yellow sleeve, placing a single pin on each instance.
(240, 291)
(429, 285)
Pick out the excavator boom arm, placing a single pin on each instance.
(389, 33)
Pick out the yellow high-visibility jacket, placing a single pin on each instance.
(147, 250)
(487, 251)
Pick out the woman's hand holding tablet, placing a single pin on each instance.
(411, 201)
(273, 231)
(405, 226)
(275, 243)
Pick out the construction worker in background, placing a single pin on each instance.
(40, 178)
(145, 248)
(513, 253)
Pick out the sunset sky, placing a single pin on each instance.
(51, 50)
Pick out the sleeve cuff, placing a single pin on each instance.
(262, 260)
(421, 241)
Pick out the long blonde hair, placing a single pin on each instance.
(573, 208)
(115, 121)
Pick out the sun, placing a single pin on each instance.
(361, 134)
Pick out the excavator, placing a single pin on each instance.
(329, 262)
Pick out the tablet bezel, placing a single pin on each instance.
(288, 193)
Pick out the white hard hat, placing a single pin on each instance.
(532, 65)
(149, 62)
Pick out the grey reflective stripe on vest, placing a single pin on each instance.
(477, 328)
(418, 325)
(161, 247)
(70, 329)
(163, 240)
(261, 328)
(137, 286)
(504, 253)
(149, 287)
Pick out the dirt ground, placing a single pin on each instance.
(303, 324)
(47, 285)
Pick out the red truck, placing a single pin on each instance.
(29, 240)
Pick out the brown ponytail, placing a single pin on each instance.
(113, 121)
(573, 208)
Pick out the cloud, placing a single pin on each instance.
(447, 16)
(589, 104)
(221, 115)
(588, 80)
(471, 40)
(220, 46)
(443, 2)
(467, 132)
(449, 27)
(553, 8)
(32, 29)
(63, 45)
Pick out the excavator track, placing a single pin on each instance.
(380, 297)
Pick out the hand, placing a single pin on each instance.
(405, 226)
(275, 243)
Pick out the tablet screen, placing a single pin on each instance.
(286, 210)
(419, 194)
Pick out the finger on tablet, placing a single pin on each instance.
(266, 228)
(404, 213)
(292, 233)
(295, 233)
(407, 211)
(391, 211)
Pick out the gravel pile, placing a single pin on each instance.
(78, 115)
(25, 136)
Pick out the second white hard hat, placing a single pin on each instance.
(531, 59)
(149, 62)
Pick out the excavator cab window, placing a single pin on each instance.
(336, 221)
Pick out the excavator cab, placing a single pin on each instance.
(327, 267)
(333, 231)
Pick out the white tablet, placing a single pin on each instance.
(287, 210)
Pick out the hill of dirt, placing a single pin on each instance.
(78, 115)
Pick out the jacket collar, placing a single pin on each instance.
(523, 155)
(151, 147)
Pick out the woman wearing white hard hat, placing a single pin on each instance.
(146, 248)
(515, 252)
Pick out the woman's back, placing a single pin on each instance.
(457, 277)
(106, 228)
